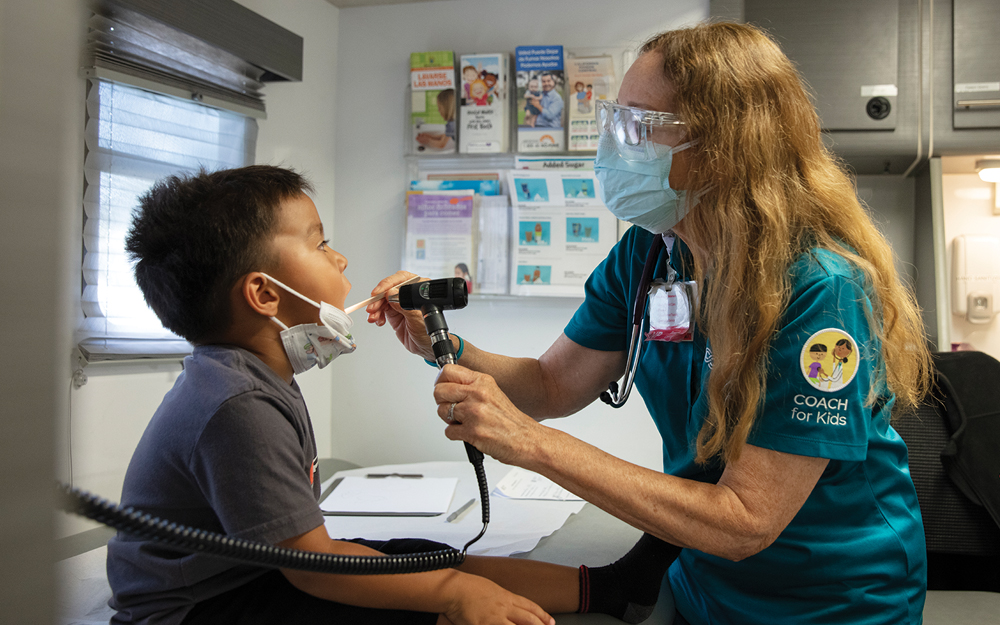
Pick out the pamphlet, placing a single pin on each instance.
(562, 229)
(588, 79)
(484, 113)
(541, 110)
(494, 245)
(482, 187)
(439, 234)
(432, 103)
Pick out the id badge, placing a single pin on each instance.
(670, 311)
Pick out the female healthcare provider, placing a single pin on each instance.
(793, 503)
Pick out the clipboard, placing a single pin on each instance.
(391, 496)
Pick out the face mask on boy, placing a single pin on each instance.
(311, 344)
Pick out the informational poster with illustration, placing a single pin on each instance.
(563, 231)
(439, 235)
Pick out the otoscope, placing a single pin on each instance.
(431, 297)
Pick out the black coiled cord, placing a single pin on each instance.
(148, 527)
(476, 457)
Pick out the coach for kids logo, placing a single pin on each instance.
(829, 360)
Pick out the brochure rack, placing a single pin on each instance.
(514, 223)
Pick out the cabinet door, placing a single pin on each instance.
(976, 64)
(847, 52)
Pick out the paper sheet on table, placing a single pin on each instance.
(515, 525)
(389, 496)
(523, 484)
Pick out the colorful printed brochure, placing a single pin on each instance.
(432, 103)
(562, 229)
(440, 241)
(541, 109)
(588, 79)
(484, 111)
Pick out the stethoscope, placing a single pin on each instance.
(612, 396)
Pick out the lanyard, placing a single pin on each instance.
(611, 396)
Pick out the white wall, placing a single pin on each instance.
(41, 173)
(108, 415)
(384, 409)
(891, 203)
(968, 209)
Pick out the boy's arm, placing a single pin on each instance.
(461, 597)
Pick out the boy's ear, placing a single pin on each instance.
(261, 294)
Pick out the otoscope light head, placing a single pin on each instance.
(444, 293)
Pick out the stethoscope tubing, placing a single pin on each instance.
(612, 396)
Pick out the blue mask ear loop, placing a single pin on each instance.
(612, 396)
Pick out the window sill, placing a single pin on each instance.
(124, 350)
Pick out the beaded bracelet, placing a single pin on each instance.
(461, 348)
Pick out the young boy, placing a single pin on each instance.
(231, 447)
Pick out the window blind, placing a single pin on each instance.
(214, 51)
(175, 87)
(133, 138)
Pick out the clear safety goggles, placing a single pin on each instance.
(635, 130)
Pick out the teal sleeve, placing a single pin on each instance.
(601, 322)
(822, 364)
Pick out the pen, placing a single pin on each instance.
(407, 475)
(455, 516)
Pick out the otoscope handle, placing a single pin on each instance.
(444, 354)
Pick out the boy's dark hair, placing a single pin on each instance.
(818, 347)
(193, 237)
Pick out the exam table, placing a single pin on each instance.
(591, 537)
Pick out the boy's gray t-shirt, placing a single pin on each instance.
(230, 450)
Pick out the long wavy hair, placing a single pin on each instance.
(775, 191)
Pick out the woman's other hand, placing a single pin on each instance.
(484, 416)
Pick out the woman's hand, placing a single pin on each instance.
(408, 324)
(478, 601)
(483, 415)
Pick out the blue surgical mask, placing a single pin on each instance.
(639, 191)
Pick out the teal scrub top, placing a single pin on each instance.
(855, 551)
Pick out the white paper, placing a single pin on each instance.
(523, 484)
(515, 525)
(391, 495)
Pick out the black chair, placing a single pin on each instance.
(963, 540)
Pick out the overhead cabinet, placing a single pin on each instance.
(976, 62)
(860, 58)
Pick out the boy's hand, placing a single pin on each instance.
(478, 601)
(408, 324)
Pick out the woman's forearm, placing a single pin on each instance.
(683, 512)
(735, 518)
(564, 380)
